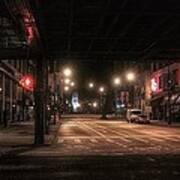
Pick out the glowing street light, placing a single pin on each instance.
(91, 85)
(101, 89)
(117, 81)
(130, 76)
(67, 72)
(95, 104)
(72, 84)
(67, 81)
(66, 88)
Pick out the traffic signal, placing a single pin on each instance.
(27, 82)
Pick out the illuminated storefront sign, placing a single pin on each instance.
(154, 85)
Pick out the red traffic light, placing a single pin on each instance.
(27, 82)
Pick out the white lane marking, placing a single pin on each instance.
(141, 139)
(93, 140)
(90, 128)
(88, 137)
(110, 140)
(155, 139)
(78, 141)
(126, 140)
(60, 140)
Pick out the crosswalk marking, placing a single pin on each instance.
(94, 140)
(77, 141)
(60, 141)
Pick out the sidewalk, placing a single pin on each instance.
(165, 123)
(19, 137)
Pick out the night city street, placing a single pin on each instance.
(90, 89)
(90, 136)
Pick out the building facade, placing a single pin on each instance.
(165, 91)
(14, 99)
(157, 91)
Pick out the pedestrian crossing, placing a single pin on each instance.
(115, 139)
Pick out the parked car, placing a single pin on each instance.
(137, 116)
(132, 115)
(143, 119)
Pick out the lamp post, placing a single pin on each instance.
(66, 83)
(103, 101)
(116, 83)
(67, 72)
(101, 91)
(91, 85)
(130, 76)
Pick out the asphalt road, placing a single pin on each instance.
(88, 148)
(88, 136)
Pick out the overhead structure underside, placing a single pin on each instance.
(94, 30)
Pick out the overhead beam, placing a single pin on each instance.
(152, 48)
(101, 21)
(71, 17)
(16, 53)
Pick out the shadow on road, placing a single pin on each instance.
(134, 167)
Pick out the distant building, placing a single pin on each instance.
(157, 90)
(165, 90)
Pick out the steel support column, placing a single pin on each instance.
(11, 100)
(3, 99)
(39, 103)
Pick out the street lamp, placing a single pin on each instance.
(67, 72)
(117, 81)
(101, 89)
(66, 88)
(130, 76)
(91, 85)
(67, 81)
(72, 84)
(103, 102)
(94, 104)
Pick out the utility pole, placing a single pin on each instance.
(103, 100)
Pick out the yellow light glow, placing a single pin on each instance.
(130, 76)
(66, 88)
(95, 104)
(117, 81)
(67, 72)
(91, 85)
(101, 89)
(67, 81)
(72, 84)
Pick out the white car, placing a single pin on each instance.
(133, 115)
(142, 119)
